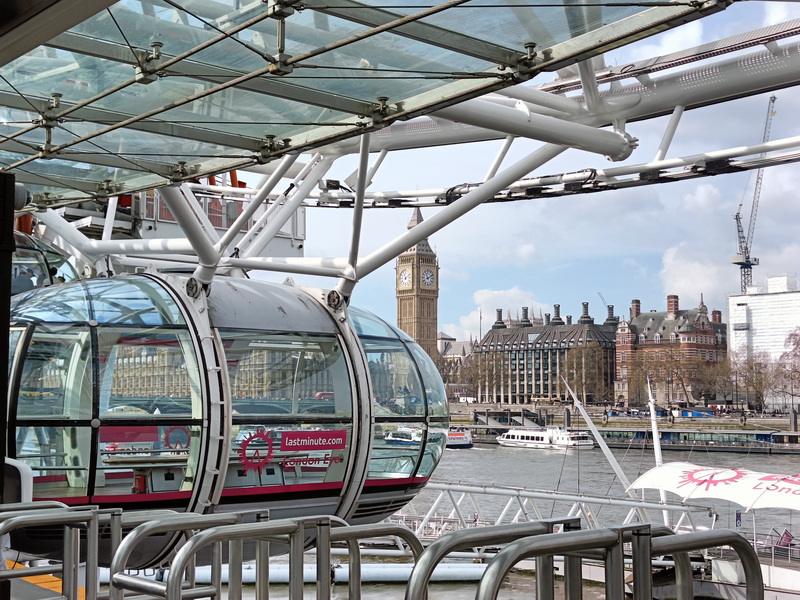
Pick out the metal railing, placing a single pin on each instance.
(72, 519)
(543, 540)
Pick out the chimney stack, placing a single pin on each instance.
(499, 324)
(672, 306)
(525, 322)
(636, 309)
(716, 316)
(569, 319)
(547, 318)
(585, 319)
(557, 320)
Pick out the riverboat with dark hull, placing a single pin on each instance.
(711, 440)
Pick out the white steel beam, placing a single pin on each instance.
(481, 113)
(348, 280)
(264, 191)
(452, 212)
(207, 255)
(282, 213)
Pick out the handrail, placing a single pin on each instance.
(217, 529)
(417, 587)
(184, 522)
(70, 518)
(701, 540)
(537, 546)
(352, 533)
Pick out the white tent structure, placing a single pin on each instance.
(750, 489)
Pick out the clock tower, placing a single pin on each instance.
(417, 290)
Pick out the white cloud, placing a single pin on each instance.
(689, 275)
(705, 198)
(635, 267)
(487, 302)
(525, 252)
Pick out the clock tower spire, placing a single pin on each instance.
(417, 291)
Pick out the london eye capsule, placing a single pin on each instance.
(129, 392)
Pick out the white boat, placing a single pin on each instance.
(459, 437)
(404, 436)
(551, 436)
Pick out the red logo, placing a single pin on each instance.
(792, 479)
(710, 477)
(259, 455)
(177, 437)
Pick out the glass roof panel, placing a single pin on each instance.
(128, 301)
(153, 91)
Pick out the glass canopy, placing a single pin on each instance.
(148, 92)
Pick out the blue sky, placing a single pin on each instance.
(641, 243)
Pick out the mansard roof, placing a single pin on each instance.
(691, 320)
(548, 336)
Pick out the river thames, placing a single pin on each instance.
(586, 472)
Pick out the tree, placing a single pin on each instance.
(587, 372)
(755, 374)
(788, 372)
(637, 373)
(716, 381)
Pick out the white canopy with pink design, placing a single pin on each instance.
(750, 489)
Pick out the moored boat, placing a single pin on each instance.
(551, 436)
(459, 437)
(404, 436)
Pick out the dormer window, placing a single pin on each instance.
(657, 338)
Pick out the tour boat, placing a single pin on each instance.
(551, 436)
(407, 436)
(459, 437)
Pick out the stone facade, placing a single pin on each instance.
(523, 361)
(417, 291)
(670, 348)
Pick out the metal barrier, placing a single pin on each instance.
(562, 543)
(17, 516)
(352, 533)
(178, 586)
(417, 588)
(527, 539)
(611, 540)
(186, 523)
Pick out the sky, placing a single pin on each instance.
(607, 248)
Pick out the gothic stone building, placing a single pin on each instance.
(417, 291)
(669, 348)
(524, 361)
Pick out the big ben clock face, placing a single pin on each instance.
(427, 278)
(405, 278)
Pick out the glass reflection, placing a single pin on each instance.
(397, 388)
(146, 458)
(395, 449)
(434, 448)
(153, 370)
(56, 376)
(133, 301)
(58, 456)
(435, 393)
(287, 374)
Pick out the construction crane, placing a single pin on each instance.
(743, 258)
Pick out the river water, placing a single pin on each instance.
(588, 472)
(583, 471)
